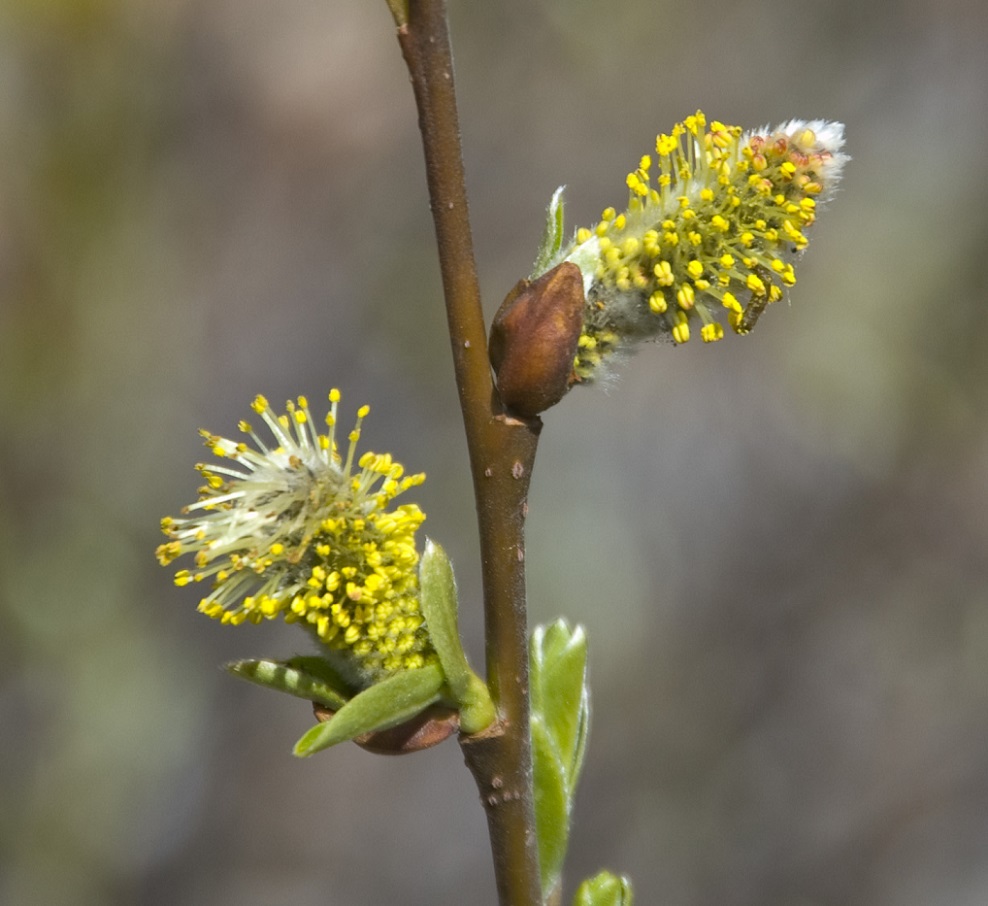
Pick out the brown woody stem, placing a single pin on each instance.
(502, 452)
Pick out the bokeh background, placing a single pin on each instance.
(779, 544)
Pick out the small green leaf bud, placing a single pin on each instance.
(604, 889)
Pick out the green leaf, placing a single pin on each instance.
(559, 723)
(304, 677)
(552, 235)
(552, 805)
(605, 889)
(322, 669)
(439, 607)
(560, 694)
(385, 704)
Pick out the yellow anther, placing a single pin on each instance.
(666, 144)
(755, 284)
(685, 296)
(663, 273)
(731, 303)
(681, 328)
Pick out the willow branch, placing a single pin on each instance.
(502, 452)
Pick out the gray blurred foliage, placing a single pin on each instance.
(778, 544)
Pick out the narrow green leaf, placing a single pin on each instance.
(605, 889)
(559, 721)
(560, 694)
(385, 704)
(552, 235)
(301, 677)
(323, 669)
(552, 804)
(439, 607)
(565, 690)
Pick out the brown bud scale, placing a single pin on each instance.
(534, 338)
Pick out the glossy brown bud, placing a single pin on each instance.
(534, 339)
(425, 730)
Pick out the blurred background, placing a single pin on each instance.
(779, 544)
